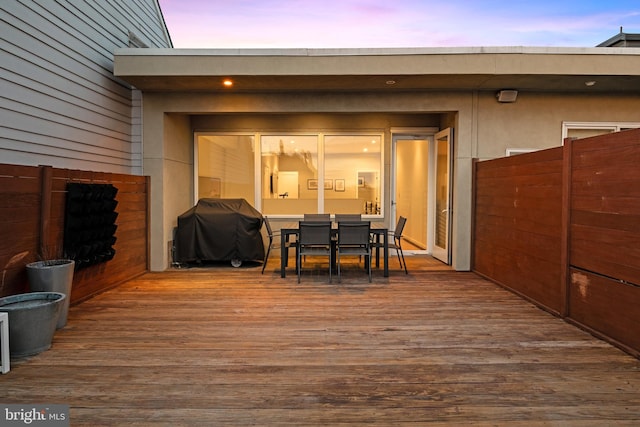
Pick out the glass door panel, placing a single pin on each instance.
(443, 179)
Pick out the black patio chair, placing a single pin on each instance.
(354, 239)
(348, 218)
(317, 217)
(396, 244)
(274, 242)
(314, 239)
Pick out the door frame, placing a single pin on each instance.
(443, 254)
(428, 134)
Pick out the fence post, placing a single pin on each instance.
(46, 187)
(566, 228)
(474, 178)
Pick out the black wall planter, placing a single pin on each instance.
(90, 223)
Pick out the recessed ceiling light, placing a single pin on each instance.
(590, 83)
(391, 82)
(227, 82)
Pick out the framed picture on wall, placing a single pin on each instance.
(339, 185)
(312, 184)
(361, 181)
(328, 184)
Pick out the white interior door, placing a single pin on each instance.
(410, 186)
(443, 195)
(287, 186)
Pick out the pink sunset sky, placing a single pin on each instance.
(401, 23)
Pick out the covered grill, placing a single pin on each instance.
(219, 230)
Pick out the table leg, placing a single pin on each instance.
(334, 255)
(386, 254)
(284, 255)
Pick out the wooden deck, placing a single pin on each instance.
(221, 346)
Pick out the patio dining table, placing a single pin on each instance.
(378, 231)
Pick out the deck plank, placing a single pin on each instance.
(223, 346)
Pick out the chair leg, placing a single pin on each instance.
(398, 255)
(404, 263)
(266, 258)
(298, 265)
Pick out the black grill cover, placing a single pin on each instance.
(219, 230)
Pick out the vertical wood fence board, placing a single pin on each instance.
(517, 224)
(599, 250)
(598, 256)
(607, 307)
(605, 224)
(605, 231)
(20, 226)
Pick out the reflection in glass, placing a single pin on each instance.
(226, 167)
(352, 165)
(442, 193)
(289, 174)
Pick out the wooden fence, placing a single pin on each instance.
(32, 214)
(518, 227)
(561, 228)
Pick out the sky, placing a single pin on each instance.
(396, 23)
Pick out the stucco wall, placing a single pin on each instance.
(170, 166)
(535, 119)
(483, 128)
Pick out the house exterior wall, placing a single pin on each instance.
(162, 109)
(535, 119)
(483, 129)
(61, 104)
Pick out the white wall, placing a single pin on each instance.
(61, 104)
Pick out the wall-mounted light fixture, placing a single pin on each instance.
(507, 95)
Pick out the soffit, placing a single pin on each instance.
(560, 70)
(550, 83)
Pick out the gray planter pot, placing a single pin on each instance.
(53, 276)
(32, 321)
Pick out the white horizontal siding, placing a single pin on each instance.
(136, 128)
(61, 104)
(109, 114)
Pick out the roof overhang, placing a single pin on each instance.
(615, 70)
